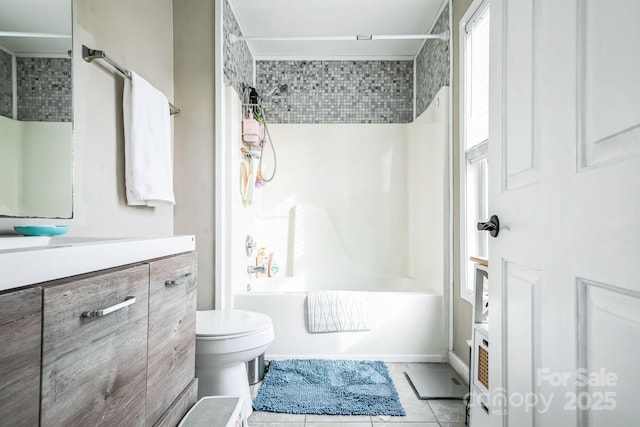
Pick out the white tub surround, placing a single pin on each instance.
(355, 202)
(57, 257)
(405, 327)
(358, 207)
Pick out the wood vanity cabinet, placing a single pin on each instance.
(20, 323)
(94, 349)
(118, 346)
(172, 346)
(111, 348)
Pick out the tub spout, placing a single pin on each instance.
(256, 269)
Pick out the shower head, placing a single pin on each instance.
(279, 89)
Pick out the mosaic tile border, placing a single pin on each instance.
(338, 91)
(6, 85)
(432, 65)
(44, 89)
(238, 61)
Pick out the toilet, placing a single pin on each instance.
(225, 341)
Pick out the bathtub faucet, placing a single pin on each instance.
(256, 269)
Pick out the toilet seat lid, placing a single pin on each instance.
(225, 323)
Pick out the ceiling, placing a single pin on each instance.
(36, 16)
(335, 18)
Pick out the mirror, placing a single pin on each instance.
(36, 109)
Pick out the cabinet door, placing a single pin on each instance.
(479, 410)
(94, 349)
(20, 324)
(172, 331)
(480, 378)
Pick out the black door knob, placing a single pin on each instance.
(492, 226)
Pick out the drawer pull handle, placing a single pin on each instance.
(484, 407)
(99, 313)
(180, 281)
(485, 342)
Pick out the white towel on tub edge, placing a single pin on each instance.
(338, 311)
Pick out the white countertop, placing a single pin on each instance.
(57, 257)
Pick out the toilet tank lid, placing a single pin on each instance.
(230, 322)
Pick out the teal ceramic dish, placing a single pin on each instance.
(41, 230)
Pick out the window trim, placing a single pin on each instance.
(476, 8)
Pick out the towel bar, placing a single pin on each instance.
(91, 54)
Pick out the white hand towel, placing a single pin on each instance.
(147, 136)
(336, 311)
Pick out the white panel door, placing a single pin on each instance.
(565, 182)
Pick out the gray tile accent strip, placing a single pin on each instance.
(432, 65)
(44, 89)
(338, 91)
(238, 61)
(6, 87)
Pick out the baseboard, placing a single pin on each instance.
(407, 358)
(460, 367)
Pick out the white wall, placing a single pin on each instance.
(194, 135)
(356, 174)
(427, 183)
(138, 35)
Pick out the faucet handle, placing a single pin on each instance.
(249, 245)
(256, 269)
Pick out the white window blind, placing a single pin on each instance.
(477, 78)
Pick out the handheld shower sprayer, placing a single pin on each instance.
(277, 90)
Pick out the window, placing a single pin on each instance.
(474, 139)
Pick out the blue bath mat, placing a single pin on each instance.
(328, 387)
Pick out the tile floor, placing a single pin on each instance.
(420, 413)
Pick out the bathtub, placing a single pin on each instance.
(367, 225)
(406, 325)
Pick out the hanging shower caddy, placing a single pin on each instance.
(255, 135)
(253, 127)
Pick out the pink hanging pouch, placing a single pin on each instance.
(252, 131)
